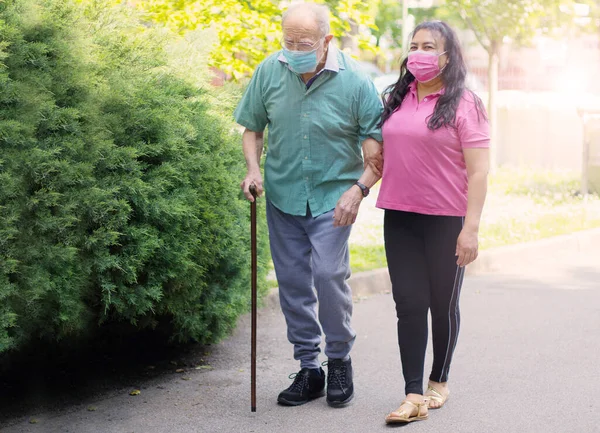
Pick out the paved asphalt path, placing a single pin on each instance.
(527, 361)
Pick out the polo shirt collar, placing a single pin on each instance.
(413, 89)
(332, 62)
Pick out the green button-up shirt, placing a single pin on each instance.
(315, 133)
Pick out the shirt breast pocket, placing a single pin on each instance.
(283, 110)
(335, 117)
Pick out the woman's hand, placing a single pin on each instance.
(467, 247)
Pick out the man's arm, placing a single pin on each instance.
(251, 113)
(346, 209)
(368, 112)
(252, 144)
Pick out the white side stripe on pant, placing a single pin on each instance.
(458, 277)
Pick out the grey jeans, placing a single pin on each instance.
(309, 251)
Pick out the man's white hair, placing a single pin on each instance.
(320, 12)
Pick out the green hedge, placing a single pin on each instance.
(119, 182)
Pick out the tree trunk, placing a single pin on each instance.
(378, 58)
(405, 43)
(348, 41)
(493, 64)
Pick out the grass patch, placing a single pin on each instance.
(521, 206)
(271, 282)
(508, 232)
(362, 258)
(542, 187)
(367, 257)
(516, 230)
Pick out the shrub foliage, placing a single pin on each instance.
(119, 182)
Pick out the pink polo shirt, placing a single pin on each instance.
(424, 171)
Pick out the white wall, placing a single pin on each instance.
(592, 132)
(541, 130)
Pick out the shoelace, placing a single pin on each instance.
(300, 381)
(336, 372)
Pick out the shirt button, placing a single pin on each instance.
(305, 137)
(306, 157)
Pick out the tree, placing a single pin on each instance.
(389, 25)
(495, 21)
(247, 31)
(387, 19)
(244, 31)
(348, 16)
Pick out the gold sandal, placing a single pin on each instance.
(433, 394)
(402, 416)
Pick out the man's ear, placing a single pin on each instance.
(328, 38)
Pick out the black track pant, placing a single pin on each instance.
(420, 252)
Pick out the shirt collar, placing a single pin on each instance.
(331, 63)
(413, 89)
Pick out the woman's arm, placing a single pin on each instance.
(467, 246)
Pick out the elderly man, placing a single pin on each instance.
(320, 108)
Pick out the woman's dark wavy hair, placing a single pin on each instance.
(453, 77)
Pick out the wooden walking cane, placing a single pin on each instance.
(253, 296)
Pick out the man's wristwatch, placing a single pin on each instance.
(363, 188)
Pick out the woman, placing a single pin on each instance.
(436, 151)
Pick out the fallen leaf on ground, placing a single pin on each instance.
(179, 370)
(33, 421)
(204, 367)
(92, 408)
(135, 392)
(185, 378)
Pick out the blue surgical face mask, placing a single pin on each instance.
(302, 62)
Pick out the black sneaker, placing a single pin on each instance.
(308, 384)
(340, 388)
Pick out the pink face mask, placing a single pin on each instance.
(424, 66)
